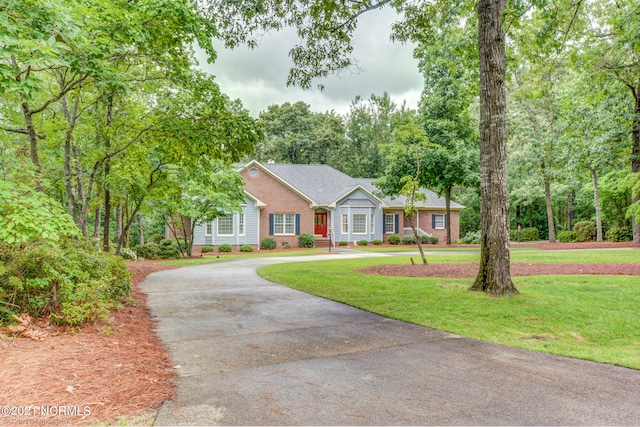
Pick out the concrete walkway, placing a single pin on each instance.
(250, 352)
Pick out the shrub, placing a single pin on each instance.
(268, 243)
(472, 237)
(362, 243)
(167, 248)
(148, 251)
(585, 231)
(619, 234)
(567, 236)
(156, 238)
(425, 239)
(433, 240)
(205, 249)
(527, 234)
(73, 282)
(343, 243)
(306, 240)
(246, 248)
(394, 239)
(128, 254)
(225, 247)
(377, 242)
(409, 240)
(286, 246)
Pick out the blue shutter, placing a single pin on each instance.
(397, 221)
(297, 224)
(271, 224)
(433, 221)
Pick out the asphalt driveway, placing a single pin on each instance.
(250, 352)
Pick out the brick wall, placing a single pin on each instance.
(279, 199)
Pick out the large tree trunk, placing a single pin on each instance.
(141, 229)
(547, 199)
(635, 157)
(494, 275)
(596, 201)
(119, 233)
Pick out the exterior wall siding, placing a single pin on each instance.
(279, 199)
(373, 228)
(251, 237)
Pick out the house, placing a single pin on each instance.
(284, 200)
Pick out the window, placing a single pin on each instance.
(389, 223)
(208, 229)
(284, 224)
(373, 223)
(225, 225)
(359, 224)
(345, 223)
(438, 221)
(241, 223)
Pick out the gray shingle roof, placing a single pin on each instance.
(326, 185)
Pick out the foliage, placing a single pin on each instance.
(206, 248)
(362, 242)
(433, 240)
(567, 236)
(394, 239)
(246, 248)
(225, 247)
(471, 237)
(287, 246)
(306, 240)
(268, 243)
(343, 243)
(619, 234)
(128, 254)
(585, 231)
(72, 282)
(148, 251)
(409, 239)
(526, 234)
(168, 248)
(377, 242)
(26, 213)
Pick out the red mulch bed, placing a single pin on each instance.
(517, 269)
(122, 372)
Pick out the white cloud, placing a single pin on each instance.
(258, 77)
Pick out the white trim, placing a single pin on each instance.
(353, 225)
(226, 217)
(208, 225)
(284, 224)
(435, 222)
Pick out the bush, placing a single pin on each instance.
(343, 243)
(527, 234)
(148, 251)
(205, 249)
(225, 247)
(156, 238)
(409, 240)
(286, 246)
(72, 282)
(567, 236)
(362, 243)
(306, 240)
(128, 254)
(377, 242)
(433, 240)
(268, 243)
(472, 237)
(394, 239)
(585, 231)
(246, 248)
(619, 234)
(168, 248)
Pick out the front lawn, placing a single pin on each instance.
(583, 316)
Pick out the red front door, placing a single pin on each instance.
(321, 223)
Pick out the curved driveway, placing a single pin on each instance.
(250, 352)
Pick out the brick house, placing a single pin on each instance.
(284, 200)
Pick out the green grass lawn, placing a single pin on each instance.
(228, 257)
(584, 316)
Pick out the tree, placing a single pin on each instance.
(208, 191)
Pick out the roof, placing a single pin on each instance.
(325, 185)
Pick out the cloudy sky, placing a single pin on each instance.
(258, 77)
